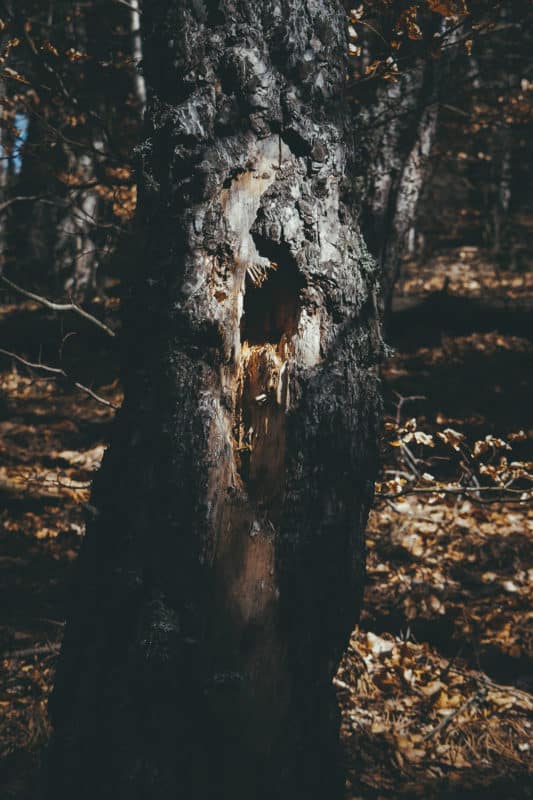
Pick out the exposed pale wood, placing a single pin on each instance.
(223, 572)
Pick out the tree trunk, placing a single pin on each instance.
(401, 124)
(75, 250)
(501, 197)
(223, 571)
(56, 240)
(400, 145)
(4, 174)
(404, 203)
(137, 53)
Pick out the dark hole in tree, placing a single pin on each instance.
(272, 309)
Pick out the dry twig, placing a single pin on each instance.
(59, 373)
(71, 306)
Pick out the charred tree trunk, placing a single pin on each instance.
(223, 571)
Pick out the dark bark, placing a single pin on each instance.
(223, 573)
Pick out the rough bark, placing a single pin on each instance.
(223, 572)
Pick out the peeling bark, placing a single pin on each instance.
(222, 576)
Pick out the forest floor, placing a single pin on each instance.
(436, 687)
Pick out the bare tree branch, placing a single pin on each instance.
(59, 306)
(59, 373)
(21, 199)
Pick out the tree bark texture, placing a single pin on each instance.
(223, 571)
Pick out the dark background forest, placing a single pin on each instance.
(435, 687)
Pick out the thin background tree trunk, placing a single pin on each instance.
(137, 51)
(402, 125)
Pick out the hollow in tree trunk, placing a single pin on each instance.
(223, 570)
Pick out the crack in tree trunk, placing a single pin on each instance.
(219, 584)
